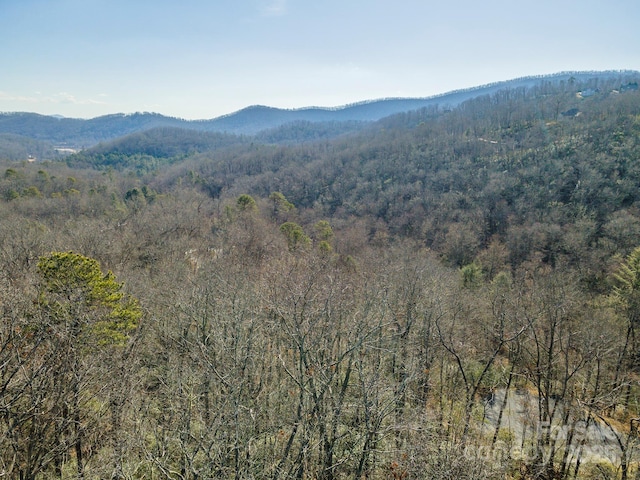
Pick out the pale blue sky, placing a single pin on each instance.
(199, 59)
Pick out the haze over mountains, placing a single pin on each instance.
(46, 132)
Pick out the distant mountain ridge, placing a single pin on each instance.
(82, 133)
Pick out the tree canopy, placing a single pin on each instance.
(74, 286)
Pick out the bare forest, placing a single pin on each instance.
(445, 293)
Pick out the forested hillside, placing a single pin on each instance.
(444, 293)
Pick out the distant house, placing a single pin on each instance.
(65, 150)
(572, 112)
(589, 92)
(629, 87)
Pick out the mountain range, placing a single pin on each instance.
(43, 133)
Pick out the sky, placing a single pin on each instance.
(199, 59)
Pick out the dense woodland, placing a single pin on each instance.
(357, 303)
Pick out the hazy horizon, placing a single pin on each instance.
(202, 60)
(328, 107)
